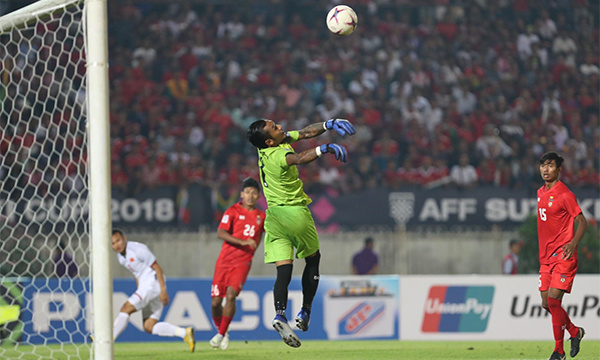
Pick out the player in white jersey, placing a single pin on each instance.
(151, 293)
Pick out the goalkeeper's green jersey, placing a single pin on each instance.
(281, 184)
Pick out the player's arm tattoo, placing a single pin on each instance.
(303, 157)
(311, 131)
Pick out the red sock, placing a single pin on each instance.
(217, 320)
(571, 328)
(224, 324)
(560, 319)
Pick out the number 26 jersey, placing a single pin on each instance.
(241, 224)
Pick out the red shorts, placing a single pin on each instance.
(559, 275)
(229, 276)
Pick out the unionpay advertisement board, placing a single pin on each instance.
(490, 307)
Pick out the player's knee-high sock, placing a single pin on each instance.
(310, 280)
(120, 324)
(564, 316)
(225, 321)
(166, 329)
(559, 322)
(280, 289)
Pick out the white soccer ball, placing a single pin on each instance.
(342, 20)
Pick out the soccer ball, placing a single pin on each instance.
(342, 20)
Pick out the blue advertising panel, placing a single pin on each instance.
(54, 310)
(191, 306)
(345, 307)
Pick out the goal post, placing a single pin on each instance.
(55, 189)
(100, 190)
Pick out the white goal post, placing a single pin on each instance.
(55, 188)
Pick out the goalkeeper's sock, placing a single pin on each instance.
(120, 324)
(225, 324)
(280, 289)
(166, 329)
(310, 280)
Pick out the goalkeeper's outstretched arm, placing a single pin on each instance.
(341, 126)
(311, 131)
(309, 155)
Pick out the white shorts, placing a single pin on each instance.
(147, 299)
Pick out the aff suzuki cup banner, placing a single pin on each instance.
(490, 307)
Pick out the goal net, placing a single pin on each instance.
(45, 257)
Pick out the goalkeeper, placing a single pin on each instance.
(289, 223)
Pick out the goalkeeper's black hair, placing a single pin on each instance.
(250, 182)
(552, 156)
(257, 135)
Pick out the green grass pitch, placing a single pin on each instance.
(324, 350)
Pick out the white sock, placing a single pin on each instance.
(166, 329)
(120, 324)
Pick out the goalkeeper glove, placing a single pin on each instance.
(339, 151)
(342, 126)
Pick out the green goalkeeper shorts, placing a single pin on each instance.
(286, 228)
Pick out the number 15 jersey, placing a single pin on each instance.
(241, 224)
(557, 209)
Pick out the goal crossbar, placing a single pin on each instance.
(26, 14)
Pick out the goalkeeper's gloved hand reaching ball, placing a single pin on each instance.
(342, 126)
(339, 151)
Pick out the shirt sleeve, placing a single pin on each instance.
(570, 203)
(146, 254)
(227, 221)
(262, 224)
(293, 135)
(506, 266)
(279, 156)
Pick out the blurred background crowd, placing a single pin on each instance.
(443, 93)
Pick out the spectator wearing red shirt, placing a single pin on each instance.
(135, 157)
(426, 173)
(151, 173)
(407, 174)
(502, 173)
(511, 260)
(442, 173)
(385, 147)
(169, 174)
(118, 177)
(485, 172)
(447, 28)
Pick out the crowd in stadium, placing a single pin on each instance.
(442, 93)
(454, 95)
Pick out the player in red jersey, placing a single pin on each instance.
(557, 212)
(241, 228)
